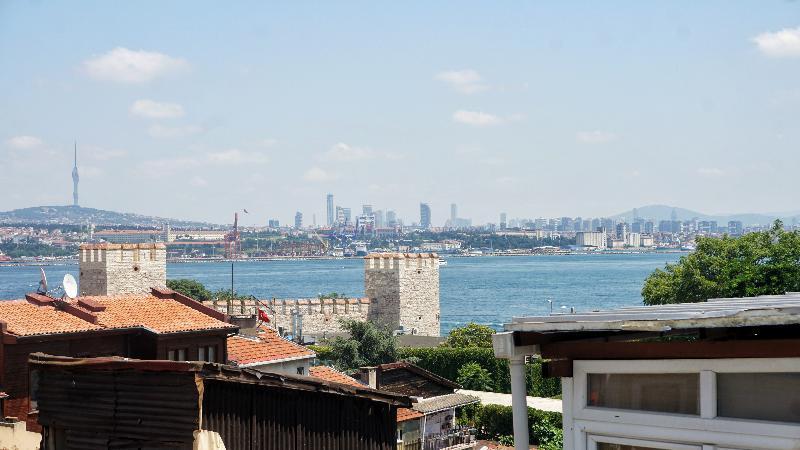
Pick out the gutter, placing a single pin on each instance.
(275, 361)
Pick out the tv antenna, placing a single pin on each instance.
(42, 282)
(70, 286)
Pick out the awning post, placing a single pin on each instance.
(519, 403)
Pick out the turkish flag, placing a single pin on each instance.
(262, 316)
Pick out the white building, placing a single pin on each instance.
(733, 384)
(634, 240)
(596, 239)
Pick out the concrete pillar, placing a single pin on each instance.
(519, 403)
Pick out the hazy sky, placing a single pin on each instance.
(196, 109)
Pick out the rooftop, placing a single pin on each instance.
(442, 402)
(212, 371)
(266, 347)
(715, 313)
(161, 312)
(109, 246)
(401, 255)
(330, 374)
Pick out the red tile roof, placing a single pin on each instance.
(330, 374)
(266, 347)
(160, 315)
(404, 414)
(40, 315)
(27, 319)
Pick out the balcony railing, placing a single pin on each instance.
(456, 439)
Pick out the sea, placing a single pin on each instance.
(488, 290)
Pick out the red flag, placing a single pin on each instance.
(262, 316)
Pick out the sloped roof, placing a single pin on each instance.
(330, 374)
(715, 313)
(434, 404)
(23, 318)
(403, 365)
(40, 315)
(266, 347)
(406, 414)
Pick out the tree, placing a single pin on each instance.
(470, 335)
(191, 288)
(760, 263)
(474, 377)
(366, 345)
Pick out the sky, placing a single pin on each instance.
(195, 109)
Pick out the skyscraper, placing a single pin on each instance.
(453, 212)
(424, 215)
(331, 216)
(75, 178)
(298, 220)
(366, 210)
(391, 218)
(503, 223)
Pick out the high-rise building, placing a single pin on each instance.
(735, 227)
(503, 222)
(453, 212)
(424, 215)
(391, 219)
(75, 178)
(331, 213)
(366, 210)
(622, 231)
(597, 239)
(298, 220)
(274, 223)
(379, 222)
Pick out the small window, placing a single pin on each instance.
(177, 354)
(207, 353)
(301, 370)
(677, 393)
(759, 396)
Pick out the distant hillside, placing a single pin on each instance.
(664, 212)
(77, 215)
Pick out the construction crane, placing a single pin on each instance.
(233, 242)
(321, 241)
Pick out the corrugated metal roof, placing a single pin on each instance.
(442, 402)
(715, 313)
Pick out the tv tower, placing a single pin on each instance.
(75, 178)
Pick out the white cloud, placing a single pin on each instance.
(236, 156)
(780, 44)
(161, 131)
(710, 172)
(198, 181)
(156, 110)
(476, 118)
(344, 152)
(595, 137)
(132, 66)
(24, 142)
(319, 175)
(464, 81)
(102, 154)
(268, 142)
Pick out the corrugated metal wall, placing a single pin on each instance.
(119, 409)
(252, 417)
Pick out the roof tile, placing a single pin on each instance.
(266, 347)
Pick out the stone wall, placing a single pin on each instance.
(108, 269)
(320, 316)
(404, 291)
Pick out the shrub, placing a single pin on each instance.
(494, 421)
(473, 376)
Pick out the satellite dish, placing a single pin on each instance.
(70, 286)
(42, 282)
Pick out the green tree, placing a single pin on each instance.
(474, 377)
(470, 335)
(366, 345)
(191, 288)
(761, 263)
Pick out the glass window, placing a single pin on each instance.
(668, 393)
(171, 355)
(201, 353)
(212, 353)
(759, 396)
(177, 355)
(606, 446)
(301, 370)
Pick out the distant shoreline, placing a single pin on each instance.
(74, 261)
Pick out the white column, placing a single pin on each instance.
(519, 404)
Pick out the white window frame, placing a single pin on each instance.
(594, 440)
(582, 421)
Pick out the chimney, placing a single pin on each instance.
(370, 376)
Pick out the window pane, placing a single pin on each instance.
(212, 353)
(760, 396)
(182, 354)
(201, 354)
(669, 393)
(171, 355)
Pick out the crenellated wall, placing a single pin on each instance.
(108, 269)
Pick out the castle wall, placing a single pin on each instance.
(108, 269)
(320, 316)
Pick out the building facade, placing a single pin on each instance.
(108, 269)
(597, 239)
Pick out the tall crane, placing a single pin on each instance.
(233, 243)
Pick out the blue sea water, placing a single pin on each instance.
(488, 290)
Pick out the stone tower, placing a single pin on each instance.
(404, 291)
(108, 269)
